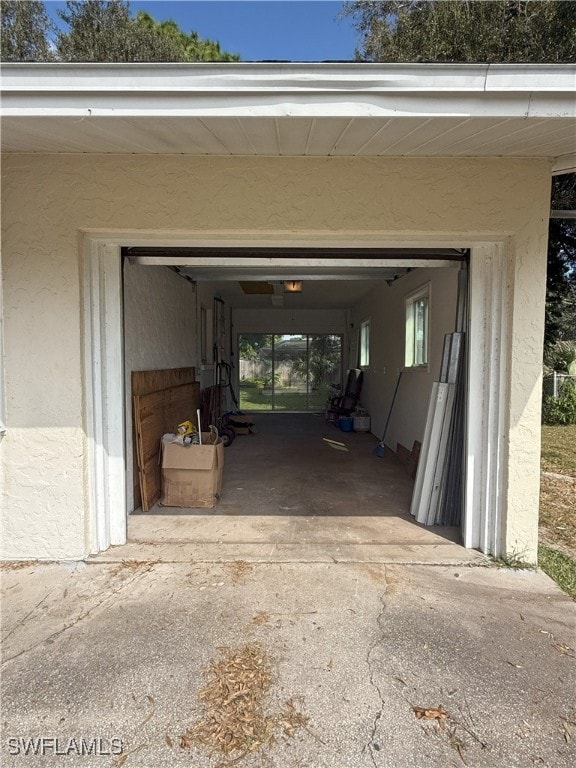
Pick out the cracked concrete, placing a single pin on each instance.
(118, 650)
(372, 745)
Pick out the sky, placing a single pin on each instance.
(258, 30)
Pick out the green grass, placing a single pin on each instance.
(559, 449)
(516, 562)
(252, 399)
(559, 567)
(558, 502)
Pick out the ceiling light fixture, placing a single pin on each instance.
(292, 286)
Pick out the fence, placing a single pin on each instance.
(284, 373)
(554, 383)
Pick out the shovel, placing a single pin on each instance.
(380, 448)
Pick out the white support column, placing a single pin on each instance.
(104, 394)
(487, 449)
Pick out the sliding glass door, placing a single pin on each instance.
(288, 372)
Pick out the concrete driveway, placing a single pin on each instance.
(115, 653)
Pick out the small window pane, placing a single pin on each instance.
(417, 310)
(365, 343)
(420, 331)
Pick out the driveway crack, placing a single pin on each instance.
(83, 615)
(371, 745)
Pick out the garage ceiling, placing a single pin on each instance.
(333, 278)
(316, 294)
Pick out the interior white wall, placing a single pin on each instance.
(205, 297)
(159, 332)
(385, 308)
(277, 320)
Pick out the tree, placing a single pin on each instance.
(561, 275)
(324, 360)
(465, 31)
(105, 31)
(508, 31)
(26, 29)
(194, 47)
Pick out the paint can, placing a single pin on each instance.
(361, 423)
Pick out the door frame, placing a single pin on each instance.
(341, 335)
(103, 367)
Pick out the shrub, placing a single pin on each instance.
(562, 409)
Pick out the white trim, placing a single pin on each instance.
(104, 394)
(290, 78)
(104, 374)
(278, 262)
(288, 90)
(488, 390)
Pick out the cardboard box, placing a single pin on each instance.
(192, 474)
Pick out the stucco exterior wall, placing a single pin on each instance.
(50, 199)
(159, 332)
(385, 308)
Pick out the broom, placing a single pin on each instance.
(379, 450)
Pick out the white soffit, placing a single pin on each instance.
(441, 110)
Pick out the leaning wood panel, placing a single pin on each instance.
(155, 414)
(143, 383)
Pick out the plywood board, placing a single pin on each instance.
(155, 414)
(143, 383)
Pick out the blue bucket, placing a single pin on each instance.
(346, 423)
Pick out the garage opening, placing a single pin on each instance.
(281, 356)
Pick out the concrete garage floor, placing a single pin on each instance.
(119, 651)
(288, 496)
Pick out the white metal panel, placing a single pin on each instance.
(116, 135)
(261, 134)
(393, 137)
(519, 133)
(486, 133)
(279, 76)
(452, 132)
(192, 136)
(547, 143)
(416, 503)
(436, 489)
(545, 77)
(231, 134)
(293, 135)
(324, 135)
(355, 134)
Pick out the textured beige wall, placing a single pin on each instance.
(48, 200)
